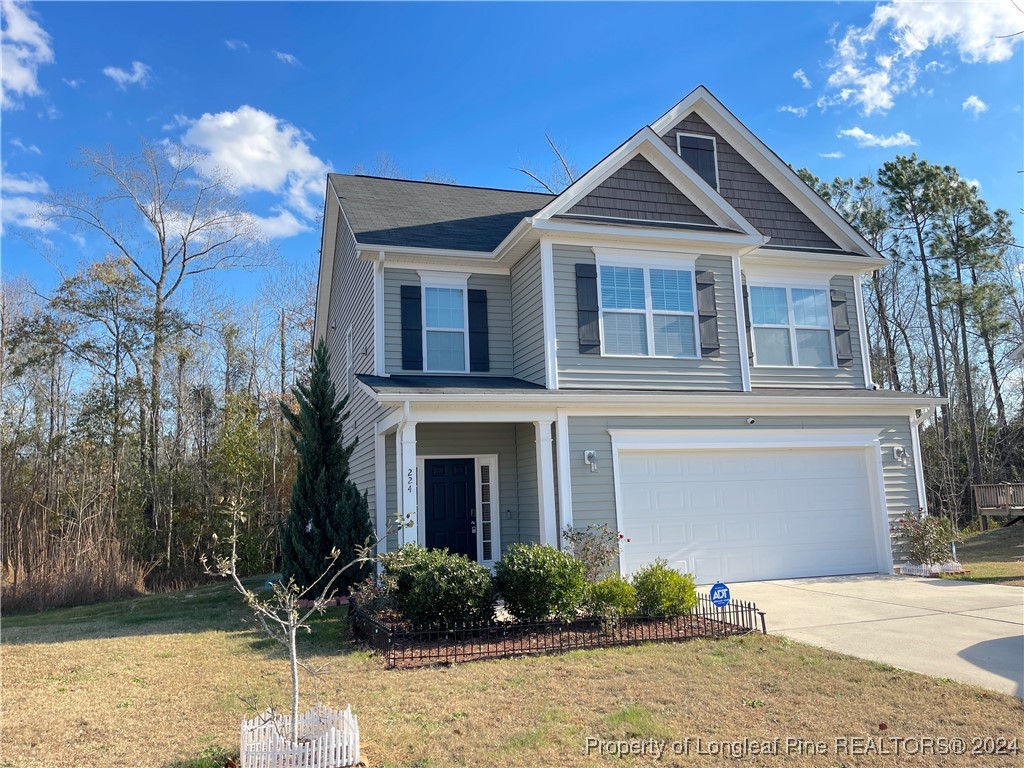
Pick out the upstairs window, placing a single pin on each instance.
(647, 311)
(446, 342)
(701, 154)
(792, 326)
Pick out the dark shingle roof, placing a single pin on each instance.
(428, 215)
(402, 385)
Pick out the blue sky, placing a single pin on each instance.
(280, 93)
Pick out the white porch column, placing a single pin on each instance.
(380, 490)
(408, 492)
(546, 485)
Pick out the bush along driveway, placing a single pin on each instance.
(960, 630)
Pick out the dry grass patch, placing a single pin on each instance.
(994, 557)
(156, 684)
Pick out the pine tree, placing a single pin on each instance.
(327, 509)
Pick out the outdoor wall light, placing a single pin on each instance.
(590, 459)
(751, 421)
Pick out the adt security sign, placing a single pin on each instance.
(720, 594)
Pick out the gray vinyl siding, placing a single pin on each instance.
(593, 493)
(594, 371)
(515, 446)
(528, 521)
(756, 198)
(351, 305)
(638, 190)
(528, 319)
(845, 377)
(499, 318)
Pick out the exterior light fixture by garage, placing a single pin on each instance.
(590, 459)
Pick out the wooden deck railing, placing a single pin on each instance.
(998, 500)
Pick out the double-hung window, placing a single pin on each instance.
(792, 326)
(445, 336)
(647, 311)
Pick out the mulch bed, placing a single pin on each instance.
(409, 649)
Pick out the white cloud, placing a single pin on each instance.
(865, 139)
(177, 121)
(798, 111)
(237, 45)
(875, 63)
(24, 47)
(287, 58)
(72, 83)
(283, 224)
(138, 76)
(831, 155)
(973, 104)
(973, 183)
(29, 148)
(802, 77)
(21, 201)
(262, 153)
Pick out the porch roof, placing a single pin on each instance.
(449, 385)
(429, 388)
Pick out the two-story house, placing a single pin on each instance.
(675, 346)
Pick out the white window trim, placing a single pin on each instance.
(792, 326)
(491, 460)
(643, 260)
(714, 149)
(459, 280)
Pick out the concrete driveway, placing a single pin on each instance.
(965, 631)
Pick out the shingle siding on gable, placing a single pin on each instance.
(753, 195)
(639, 191)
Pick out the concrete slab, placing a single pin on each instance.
(970, 632)
(1011, 614)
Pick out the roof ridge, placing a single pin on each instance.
(442, 184)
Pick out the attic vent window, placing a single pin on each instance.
(700, 153)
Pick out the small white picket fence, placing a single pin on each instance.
(325, 738)
(933, 569)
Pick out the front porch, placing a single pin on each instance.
(475, 488)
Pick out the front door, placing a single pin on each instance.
(450, 499)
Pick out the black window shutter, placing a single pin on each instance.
(479, 355)
(707, 313)
(746, 321)
(587, 315)
(841, 326)
(412, 328)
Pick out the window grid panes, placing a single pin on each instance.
(444, 328)
(791, 326)
(486, 523)
(648, 312)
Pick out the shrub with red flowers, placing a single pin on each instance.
(595, 546)
(926, 538)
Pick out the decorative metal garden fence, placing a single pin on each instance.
(324, 738)
(404, 646)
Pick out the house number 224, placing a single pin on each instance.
(408, 481)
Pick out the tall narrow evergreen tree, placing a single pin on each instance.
(327, 509)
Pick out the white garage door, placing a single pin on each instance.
(749, 514)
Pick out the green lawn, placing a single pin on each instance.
(995, 556)
(156, 681)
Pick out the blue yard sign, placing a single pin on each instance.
(720, 594)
